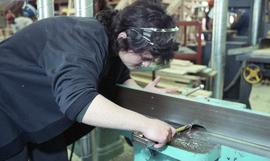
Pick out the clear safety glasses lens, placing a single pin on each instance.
(158, 37)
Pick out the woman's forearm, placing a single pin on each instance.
(104, 113)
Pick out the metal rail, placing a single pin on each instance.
(238, 128)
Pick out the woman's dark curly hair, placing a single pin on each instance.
(140, 14)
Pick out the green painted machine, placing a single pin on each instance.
(171, 153)
(175, 153)
(222, 131)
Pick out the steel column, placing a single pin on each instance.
(219, 45)
(257, 6)
(45, 8)
(84, 8)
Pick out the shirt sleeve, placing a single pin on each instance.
(124, 76)
(81, 114)
(73, 62)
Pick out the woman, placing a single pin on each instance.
(55, 72)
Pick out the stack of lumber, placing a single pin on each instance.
(182, 74)
(262, 52)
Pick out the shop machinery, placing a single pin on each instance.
(220, 131)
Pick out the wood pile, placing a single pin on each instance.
(181, 74)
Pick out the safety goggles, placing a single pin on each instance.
(157, 38)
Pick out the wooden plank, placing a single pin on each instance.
(180, 62)
(262, 52)
(171, 71)
(189, 69)
(173, 6)
(170, 84)
(208, 72)
(142, 74)
(177, 74)
(122, 4)
(179, 80)
(186, 66)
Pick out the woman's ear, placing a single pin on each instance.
(122, 35)
(122, 41)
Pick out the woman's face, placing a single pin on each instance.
(135, 60)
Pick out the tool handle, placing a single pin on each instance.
(182, 128)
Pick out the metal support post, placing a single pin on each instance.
(219, 45)
(84, 8)
(45, 8)
(257, 7)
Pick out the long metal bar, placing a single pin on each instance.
(257, 6)
(249, 128)
(45, 8)
(219, 45)
(84, 8)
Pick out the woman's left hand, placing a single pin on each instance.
(152, 87)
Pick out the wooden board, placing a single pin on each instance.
(181, 74)
(169, 72)
(170, 84)
(262, 52)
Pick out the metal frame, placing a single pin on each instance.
(188, 56)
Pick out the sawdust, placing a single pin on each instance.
(194, 140)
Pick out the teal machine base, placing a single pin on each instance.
(222, 153)
(171, 153)
(230, 154)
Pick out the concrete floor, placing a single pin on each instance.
(259, 100)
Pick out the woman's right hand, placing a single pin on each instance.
(159, 132)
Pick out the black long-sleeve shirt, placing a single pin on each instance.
(49, 72)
